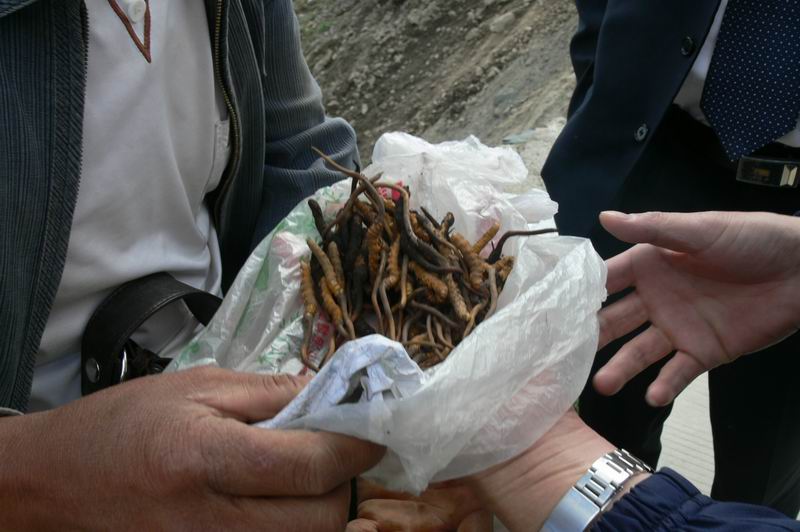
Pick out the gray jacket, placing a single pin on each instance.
(277, 115)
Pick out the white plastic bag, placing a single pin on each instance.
(498, 391)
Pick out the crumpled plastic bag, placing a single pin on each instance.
(502, 387)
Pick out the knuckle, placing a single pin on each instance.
(205, 373)
(171, 458)
(320, 470)
(282, 382)
(636, 353)
(654, 217)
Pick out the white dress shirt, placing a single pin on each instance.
(692, 90)
(155, 142)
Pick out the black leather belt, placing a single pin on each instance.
(108, 355)
(778, 173)
(775, 165)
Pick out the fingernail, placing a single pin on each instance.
(616, 214)
(652, 401)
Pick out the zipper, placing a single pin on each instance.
(85, 36)
(227, 176)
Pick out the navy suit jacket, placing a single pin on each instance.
(630, 59)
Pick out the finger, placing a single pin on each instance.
(686, 232)
(327, 512)
(481, 521)
(248, 397)
(620, 272)
(403, 515)
(247, 460)
(633, 357)
(620, 318)
(673, 378)
(362, 525)
(370, 490)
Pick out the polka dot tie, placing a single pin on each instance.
(752, 91)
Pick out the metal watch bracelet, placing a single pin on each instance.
(585, 501)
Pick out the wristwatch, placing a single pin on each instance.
(583, 503)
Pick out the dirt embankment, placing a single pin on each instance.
(441, 69)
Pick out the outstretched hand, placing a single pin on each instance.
(714, 286)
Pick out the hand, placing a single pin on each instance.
(523, 491)
(715, 286)
(443, 507)
(174, 452)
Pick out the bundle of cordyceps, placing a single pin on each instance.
(384, 268)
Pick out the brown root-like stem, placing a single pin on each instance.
(440, 333)
(305, 355)
(473, 315)
(331, 351)
(372, 193)
(403, 219)
(436, 312)
(497, 252)
(417, 225)
(408, 324)
(359, 280)
(387, 311)
(346, 211)
(354, 242)
(435, 234)
(403, 282)
(492, 292)
(423, 343)
(430, 218)
(375, 286)
(447, 223)
(336, 262)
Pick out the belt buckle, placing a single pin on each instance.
(776, 173)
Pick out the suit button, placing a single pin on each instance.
(641, 133)
(687, 46)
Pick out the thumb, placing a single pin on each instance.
(362, 525)
(683, 232)
(251, 397)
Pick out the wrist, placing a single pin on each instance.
(28, 484)
(523, 491)
(14, 483)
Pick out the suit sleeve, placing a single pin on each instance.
(667, 501)
(295, 121)
(583, 48)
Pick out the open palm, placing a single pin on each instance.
(714, 286)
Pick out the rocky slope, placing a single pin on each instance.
(441, 69)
